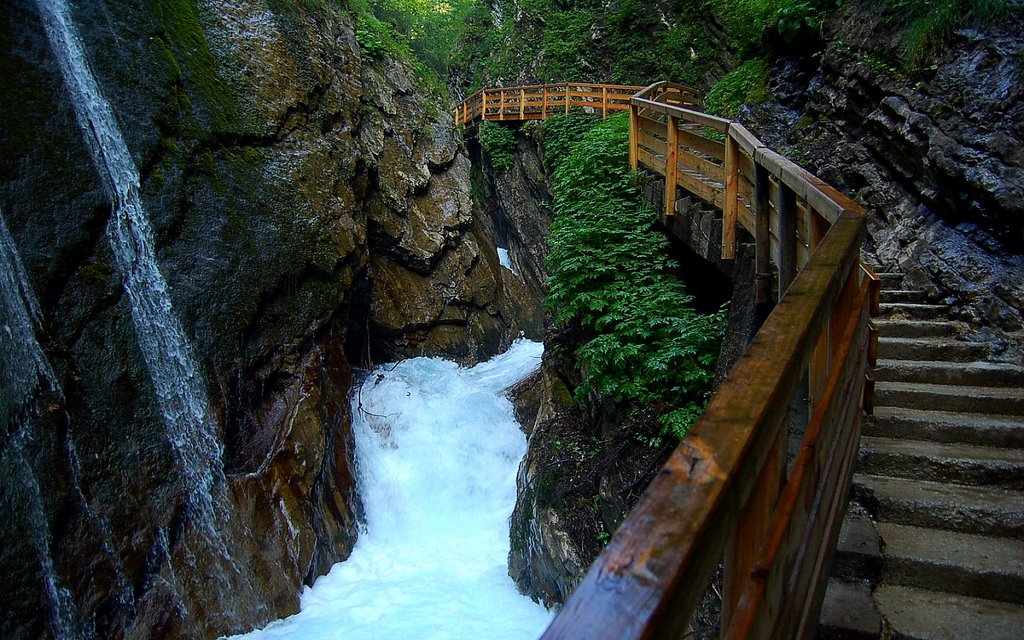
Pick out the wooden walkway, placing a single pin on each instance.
(540, 101)
(727, 490)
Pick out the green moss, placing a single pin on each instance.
(95, 274)
(747, 84)
(183, 45)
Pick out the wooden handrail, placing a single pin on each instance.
(540, 101)
(727, 489)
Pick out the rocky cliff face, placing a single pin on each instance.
(937, 155)
(311, 212)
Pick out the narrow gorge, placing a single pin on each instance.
(247, 257)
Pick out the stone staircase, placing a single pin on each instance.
(932, 545)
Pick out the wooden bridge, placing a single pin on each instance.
(727, 490)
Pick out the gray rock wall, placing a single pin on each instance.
(311, 210)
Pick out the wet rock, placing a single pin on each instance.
(297, 188)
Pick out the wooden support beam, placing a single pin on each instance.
(732, 203)
(604, 102)
(762, 234)
(634, 137)
(567, 98)
(501, 105)
(786, 207)
(544, 108)
(522, 103)
(671, 169)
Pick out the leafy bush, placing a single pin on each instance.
(560, 134)
(499, 143)
(747, 84)
(611, 273)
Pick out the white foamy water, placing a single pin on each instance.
(437, 448)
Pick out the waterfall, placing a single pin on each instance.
(165, 349)
(22, 357)
(437, 448)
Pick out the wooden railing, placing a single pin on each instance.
(727, 490)
(537, 102)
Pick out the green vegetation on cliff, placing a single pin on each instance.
(611, 272)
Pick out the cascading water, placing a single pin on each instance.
(165, 349)
(437, 447)
(23, 359)
(26, 369)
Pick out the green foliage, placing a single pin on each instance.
(560, 134)
(611, 273)
(745, 21)
(499, 143)
(429, 29)
(747, 84)
(932, 22)
(623, 42)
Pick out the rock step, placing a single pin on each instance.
(915, 328)
(930, 349)
(890, 278)
(858, 555)
(953, 562)
(989, 374)
(903, 295)
(914, 311)
(956, 463)
(848, 612)
(948, 397)
(986, 511)
(945, 426)
(914, 614)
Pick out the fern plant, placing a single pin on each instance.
(612, 273)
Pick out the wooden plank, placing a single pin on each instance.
(762, 235)
(671, 167)
(651, 161)
(648, 579)
(604, 102)
(652, 144)
(687, 115)
(701, 189)
(729, 213)
(747, 141)
(656, 128)
(707, 146)
(522, 103)
(634, 138)
(702, 166)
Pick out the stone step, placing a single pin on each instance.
(903, 295)
(953, 562)
(930, 349)
(913, 311)
(957, 463)
(920, 503)
(948, 397)
(848, 612)
(988, 374)
(946, 426)
(915, 614)
(858, 555)
(890, 278)
(915, 328)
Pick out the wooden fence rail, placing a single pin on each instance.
(727, 490)
(537, 102)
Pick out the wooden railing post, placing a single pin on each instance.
(786, 208)
(730, 212)
(604, 102)
(567, 98)
(634, 137)
(522, 103)
(501, 104)
(762, 234)
(671, 159)
(544, 104)
(483, 104)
